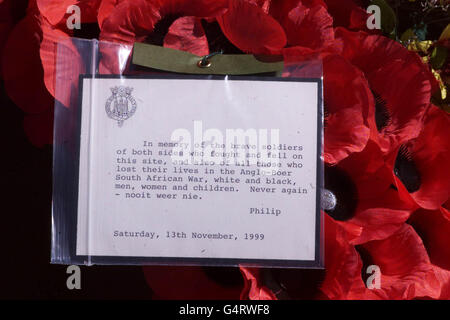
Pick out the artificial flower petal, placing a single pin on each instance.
(307, 22)
(401, 102)
(406, 271)
(443, 276)
(367, 193)
(250, 29)
(433, 228)
(23, 72)
(347, 13)
(54, 10)
(347, 106)
(62, 64)
(105, 9)
(342, 262)
(253, 289)
(414, 163)
(134, 21)
(187, 34)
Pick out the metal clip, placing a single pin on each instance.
(205, 62)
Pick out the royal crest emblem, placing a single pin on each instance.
(121, 105)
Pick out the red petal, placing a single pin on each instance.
(347, 13)
(307, 23)
(381, 218)
(250, 29)
(431, 156)
(347, 99)
(197, 8)
(187, 34)
(22, 69)
(54, 10)
(134, 20)
(443, 277)
(89, 10)
(61, 68)
(434, 229)
(380, 211)
(253, 289)
(342, 262)
(105, 9)
(406, 271)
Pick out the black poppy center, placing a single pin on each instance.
(342, 186)
(382, 115)
(406, 170)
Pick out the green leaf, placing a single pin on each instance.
(408, 35)
(446, 33)
(388, 17)
(438, 57)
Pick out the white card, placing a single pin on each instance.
(200, 170)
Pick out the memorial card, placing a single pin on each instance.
(200, 170)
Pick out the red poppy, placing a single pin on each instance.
(406, 270)
(420, 166)
(368, 207)
(306, 22)
(401, 83)
(348, 104)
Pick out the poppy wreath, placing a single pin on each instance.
(386, 129)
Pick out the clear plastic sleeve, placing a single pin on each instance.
(78, 60)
